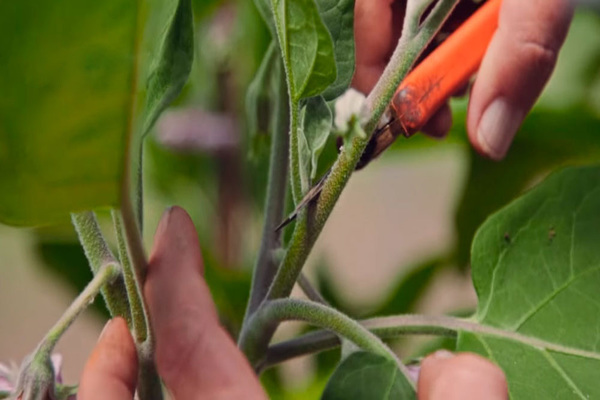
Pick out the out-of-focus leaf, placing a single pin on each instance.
(338, 16)
(172, 64)
(261, 96)
(547, 140)
(264, 8)
(316, 120)
(408, 290)
(364, 375)
(69, 82)
(66, 260)
(536, 269)
(306, 46)
(229, 289)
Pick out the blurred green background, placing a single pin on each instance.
(397, 242)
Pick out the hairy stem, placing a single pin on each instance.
(276, 311)
(98, 254)
(266, 265)
(295, 176)
(408, 50)
(105, 275)
(309, 290)
(385, 328)
(138, 311)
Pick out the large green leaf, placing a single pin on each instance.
(338, 16)
(536, 269)
(364, 375)
(70, 74)
(306, 46)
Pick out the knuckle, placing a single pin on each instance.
(538, 57)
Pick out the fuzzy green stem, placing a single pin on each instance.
(138, 313)
(385, 328)
(311, 221)
(295, 176)
(309, 290)
(266, 264)
(274, 312)
(105, 275)
(98, 254)
(309, 225)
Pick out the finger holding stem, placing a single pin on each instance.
(36, 378)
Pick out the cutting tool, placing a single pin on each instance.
(426, 88)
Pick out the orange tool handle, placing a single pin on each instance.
(445, 70)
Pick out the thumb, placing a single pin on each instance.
(445, 376)
(516, 67)
(194, 355)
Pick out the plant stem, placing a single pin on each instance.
(133, 237)
(276, 311)
(266, 265)
(98, 254)
(392, 327)
(138, 312)
(295, 176)
(408, 50)
(385, 328)
(309, 290)
(105, 275)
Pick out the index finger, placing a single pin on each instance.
(111, 370)
(194, 354)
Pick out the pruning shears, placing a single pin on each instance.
(426, 88)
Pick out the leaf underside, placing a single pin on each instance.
(536, 269)
(363, 375)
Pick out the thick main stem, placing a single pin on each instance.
(98, 254)
(310, 223)
(266, 264)
(409, 48)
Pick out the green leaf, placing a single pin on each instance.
(171, 67)
(364, 375)
(69, 78)
(261, 96)
(306, 46)
(536, 269)
(264, 9)
(316, 120)
(547, 140)
(338, 16)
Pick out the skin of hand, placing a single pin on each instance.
(518, 64)
(197, 359)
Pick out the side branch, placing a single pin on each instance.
(276, 311)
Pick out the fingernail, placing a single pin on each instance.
(104, 330)
(443, 355)
(497, 127)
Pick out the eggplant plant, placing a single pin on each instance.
(82, 88)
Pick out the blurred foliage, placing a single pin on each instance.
(561, 130)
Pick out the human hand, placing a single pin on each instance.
(515, 69)
(197, 359)
(195, 356)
